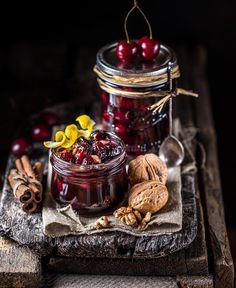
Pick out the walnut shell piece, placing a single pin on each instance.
(145, 221)
(148, 196)
(147, 167)
(102, 222)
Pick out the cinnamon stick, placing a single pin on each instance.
(38, 170)
(25, 166)
(29, 207)
(25, 181)
(23, 193)
(20, 167)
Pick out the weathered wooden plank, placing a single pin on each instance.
(196, 255)
(19, 267)
(223, 264)
(88, 281)
(190, 261)
(164, 266)
(104, 281)
(195, 282)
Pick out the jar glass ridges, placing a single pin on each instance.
(125, 104)
(90, 188)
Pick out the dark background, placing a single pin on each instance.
(39, 46)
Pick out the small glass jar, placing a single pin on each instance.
(90, 188)
(128, 92)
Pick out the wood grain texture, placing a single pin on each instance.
(52, 280)
(19, 267)
(195, 282)
(223, 264)
(190, 261)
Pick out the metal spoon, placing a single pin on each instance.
(171, 150)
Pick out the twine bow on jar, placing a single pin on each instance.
(158, 106)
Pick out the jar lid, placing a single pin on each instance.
(138, 73)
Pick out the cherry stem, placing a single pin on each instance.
(144, 16)
(148, 23)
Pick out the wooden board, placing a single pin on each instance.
(88, 281)
(211, 185)
(19, 267)
(190, 261)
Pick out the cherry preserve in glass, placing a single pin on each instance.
(88, 186)
(127, 92)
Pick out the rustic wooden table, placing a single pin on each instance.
(206, 262)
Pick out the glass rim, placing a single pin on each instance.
(82, 168)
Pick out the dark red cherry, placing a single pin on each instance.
(126, 103)
(84, 143)
(104, 97)
(107, 117)
(67, 155)
(21, 146)
(149, 48)
(79, 154)
(65, 194)
(49, 118)
(126, 52)
(100, 150)
(40, 132)
(114, 149)
(121, 116)
(120, 130)
(88, 160)
(100, 135)
(59, 184)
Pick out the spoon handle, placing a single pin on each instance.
(170, 100)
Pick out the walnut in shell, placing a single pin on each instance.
(147, 167)
(149, 196)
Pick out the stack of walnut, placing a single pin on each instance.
(25, 181)
(148, 194)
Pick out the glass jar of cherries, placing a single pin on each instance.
(129, 93)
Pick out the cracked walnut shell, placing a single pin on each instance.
(147, 167)
(149, 196)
